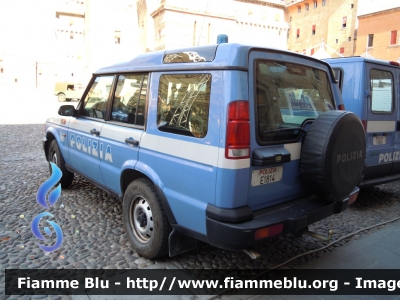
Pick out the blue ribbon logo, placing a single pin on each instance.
(41, 200)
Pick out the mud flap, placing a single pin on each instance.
(179, 243)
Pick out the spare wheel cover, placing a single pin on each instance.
(333, 155)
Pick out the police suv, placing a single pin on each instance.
(371, 89)
(227, 144)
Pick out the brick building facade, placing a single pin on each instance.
(315, 21)
(379, 31)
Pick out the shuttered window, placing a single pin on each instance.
(393, 37)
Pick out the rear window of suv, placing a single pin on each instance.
(287, 95)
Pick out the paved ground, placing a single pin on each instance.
(92, 225)
(379, 249)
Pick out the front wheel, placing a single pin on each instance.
(146, 223)
(61, 97)
(54, 155)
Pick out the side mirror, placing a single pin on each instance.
(67, 110)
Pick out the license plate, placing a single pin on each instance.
(266, 176)
(379, 140)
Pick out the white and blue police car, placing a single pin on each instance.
(228, 144)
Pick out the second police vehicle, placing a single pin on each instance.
(371, 89)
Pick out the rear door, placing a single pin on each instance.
(178, 149)
(286, 92)
(121, 135)
(381, 121)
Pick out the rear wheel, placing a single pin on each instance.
(146, 223)
(55, 156)
(61, 97)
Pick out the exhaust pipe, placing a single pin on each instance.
(318, 236)
(252, 253)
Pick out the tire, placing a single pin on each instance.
(61, 97)
(145, 221)
(333, 155)
(68, 99)
(54, 155)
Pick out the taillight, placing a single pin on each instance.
(353, 198)
(394, 63)
(364, 122)
(268, 231)
(341, 107)
(238, 130)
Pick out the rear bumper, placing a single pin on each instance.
(223, 232)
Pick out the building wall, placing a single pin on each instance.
(179, 23)
(111, 33)
(263, 24)
(70, 29)
(176, 26)
(379, 24)
(27, 43)
(328, 21)
(145, 23)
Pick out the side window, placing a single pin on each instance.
(130, 99)
(96, 101)
(183, 104)
(381, 91)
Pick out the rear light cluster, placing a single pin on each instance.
(364, 122)
(353, 198)
(238, 130)
(268, 231)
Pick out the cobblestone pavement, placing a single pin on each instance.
(94, 236)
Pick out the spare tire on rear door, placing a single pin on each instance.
(333, 155)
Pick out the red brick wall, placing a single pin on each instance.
(380, 25)
(328, 19)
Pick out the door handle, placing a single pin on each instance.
(95, 132)
(131, 141)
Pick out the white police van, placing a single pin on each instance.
(228, 144)
(371, 89)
